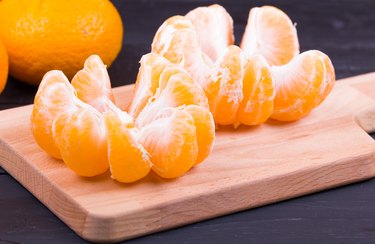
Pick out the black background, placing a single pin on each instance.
(343, 29)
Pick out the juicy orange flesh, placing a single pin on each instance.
(258, 93)
(233, 100)
(175, 86)
(92, 135)
(205, 130)
(147, 82)
(92, 84)
(329, 81)
(171, 50)
(171, 143)
(230, 94)
(270, 33)
(177, 41)
(212, 22)
(182, 90)
(83, 143)
(175, 89)
(299, 92)
(128, 162)
(51, 100)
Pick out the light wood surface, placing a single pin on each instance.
(249, 167)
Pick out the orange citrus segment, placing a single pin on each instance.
(151, 67)
(214, 28)
(329, 79)
(270, 33)
(171, 93)
(82, 141)
(92, 83)
(175, 129)
(180, 89)
(224, 86)
(55, 96)
(128, 160)
(301, 85)
(177, 41)
(176, 88)
(258, 93)
(171, 143)
(205, 129)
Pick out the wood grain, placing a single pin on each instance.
(249, 167)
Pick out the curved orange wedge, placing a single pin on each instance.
(214, 27)
(128, 160)
(258, 92)
(171, 143)
(177, 41)
(55, 95)
(270, 33)
(301, 85)
(81, 137)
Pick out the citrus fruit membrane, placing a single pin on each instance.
(266, 77)
(168, 129)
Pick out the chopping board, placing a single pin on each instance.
(249, 167)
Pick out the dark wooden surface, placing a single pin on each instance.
(344, 29)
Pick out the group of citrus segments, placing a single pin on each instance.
(193, 79)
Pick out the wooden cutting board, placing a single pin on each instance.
(249, 167)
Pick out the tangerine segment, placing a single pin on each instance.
(151, 67)
(224, 86)
(177, 41)
(171, 143)
(92, 84)
(302, 85)
(176, 88)
(214, 28)
(329, 80)
(55, 95)
(258, 93)
(81, 137)
(128, 160)
(271, 33)
(205, 128)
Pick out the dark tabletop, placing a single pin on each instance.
(343, 29)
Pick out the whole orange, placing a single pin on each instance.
(57, 34)
(3, 67)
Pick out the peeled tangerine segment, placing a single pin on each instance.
(302, 84)
(224, 86)
(176, 88)
(128, 160)
(205, 129)
(171, 142)
(81, 137)
(174, 128)
(270, 33)
(214, 27)
(92, 84)
(258, 92)
(55, 95)
(151, 67)
(177, 41)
